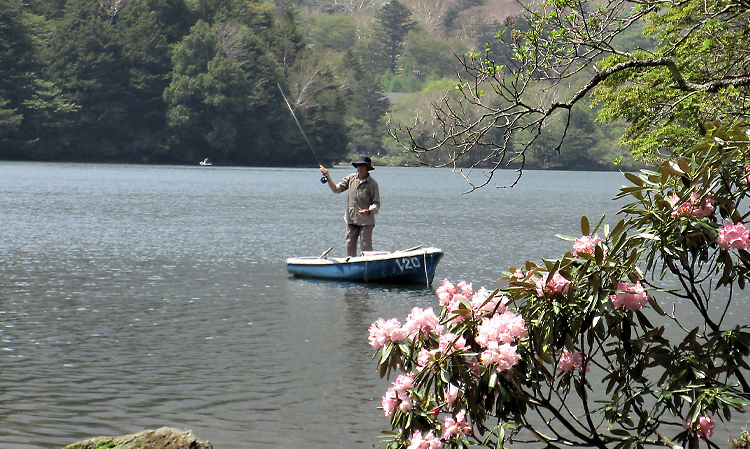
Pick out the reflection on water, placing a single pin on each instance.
(138, 297)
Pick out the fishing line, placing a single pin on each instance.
(323, 180)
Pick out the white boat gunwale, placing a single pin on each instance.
(372, 256)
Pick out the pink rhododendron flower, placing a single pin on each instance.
(704, 426)
(746, 179)
(390, 401)
(383, 332)
(558, 284)
(707, 210)
(422, 321)
(419, 441)
(497, 304)
(445, 293)
(450, 297)
(632, 297)
(503, 355)
(456, 427)
(692, 207)
(585, 244)
(464, 289)
(506, 327)
(569, 361)
(451, 394)
(454, 308)
(450, 343)
(733, 236)
(397, 396)
(404, 382)
(425, 357)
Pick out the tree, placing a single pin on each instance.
(429, 56)
(584, 357)
(335, 31)
(220, 95)
(290, 39)
(319, 104)
(365, 108)
(147, 31)
(452, 14)
(393, 23)
(697, 71)
(592, 349)
(17, 66)
(113, 60)
(9, 121)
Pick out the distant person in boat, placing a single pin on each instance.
(364, 203)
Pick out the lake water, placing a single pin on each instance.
(135, 297)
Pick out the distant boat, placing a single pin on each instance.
(410, 266)
(205, 162)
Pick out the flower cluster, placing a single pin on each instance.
(631, 297)
(692, 207)
(383, 332)
(419, 321)
(704, 426)
(398, 396)
(557, 284)
(496, 335)
(474, 329)
(586, 244)
(456, 426)
(426, 441)
(452, 297)
(569, 361)
(733, 236)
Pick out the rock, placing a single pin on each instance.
(164, 438)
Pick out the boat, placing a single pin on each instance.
(410, 266)
(205, 162)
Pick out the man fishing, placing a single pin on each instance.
(364, 203)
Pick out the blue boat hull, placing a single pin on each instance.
(402, 267)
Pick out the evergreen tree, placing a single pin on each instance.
(222, 98)
(289, 40)
(393, 23)
(144, 29)
(28, 104)
(13, 56)
(114, 60)
(365, 108)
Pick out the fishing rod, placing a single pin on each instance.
(323, 180)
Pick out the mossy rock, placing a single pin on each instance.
(164, 438)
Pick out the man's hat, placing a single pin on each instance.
(363, 160)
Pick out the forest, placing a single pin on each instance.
(178, 81)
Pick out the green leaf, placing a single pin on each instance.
(655, 305)
(635, 179)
